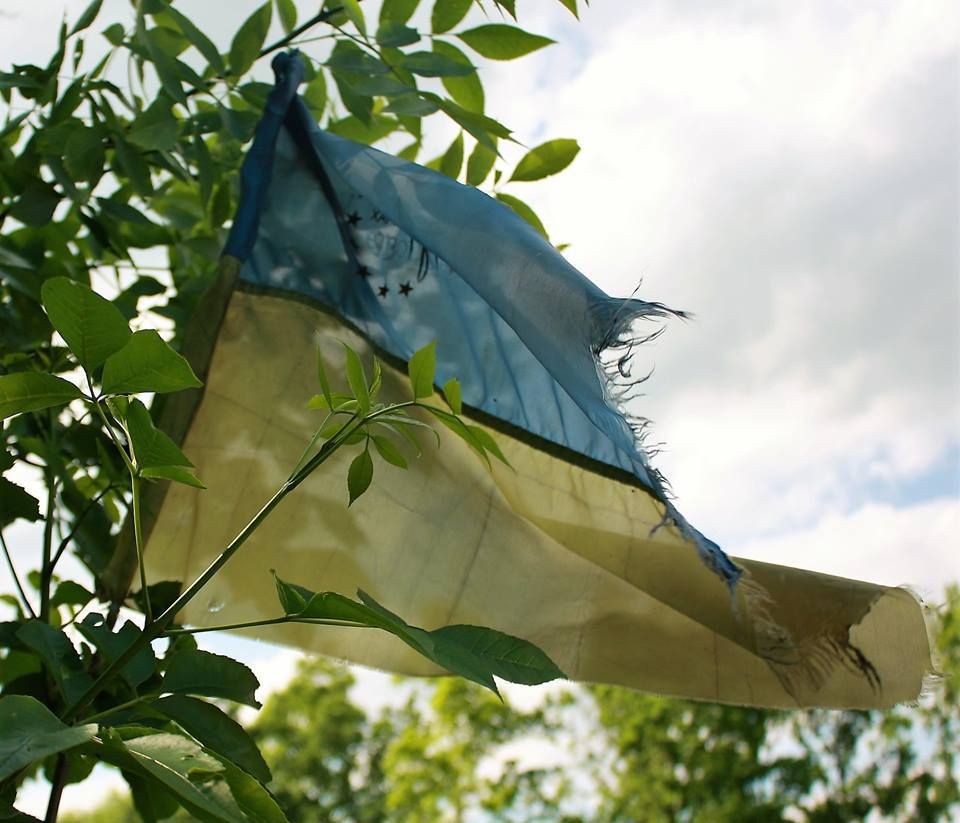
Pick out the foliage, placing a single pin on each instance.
(448, 750)
(99, 174)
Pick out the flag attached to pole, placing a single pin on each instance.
(575, 547)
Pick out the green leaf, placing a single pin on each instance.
(359, 475)
(485, 439)
(163, 593)
(89, 15)
(91, 325)
(169, 70)
(523, 210)
(509, 658)
(354, 14)
(114, 34)
(466, 90)
(150, 798)
(473, 652)
(397, 11)
(210, 675)
(36, 203)
(571, 6)
(352, 59)
(197, 39)
(461, 429)
(178, 474)
(447, 13)
(498, 41)
(435, 64)
(388, 451)
(486, 130)
(70, 593)
(147, 364)
(479, 164)
(157, 128)
(546, 159)
(32, 391)
(30, 732)
(248, 41)
(133, 167)
(355, 129)
(287, 12)
(85, 154)
(323, 380)
(59, 656)
(451, 392)
(150, 445)
(452, 160)
(194, 777)
(421, 370)
(113, 644)
(357, 380)
(16, 504)
(413, 105)
(217, 731)
(393, 35)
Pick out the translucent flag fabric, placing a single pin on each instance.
(575, 546)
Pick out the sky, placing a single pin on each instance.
(788, 172)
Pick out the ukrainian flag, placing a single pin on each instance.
(575, 547)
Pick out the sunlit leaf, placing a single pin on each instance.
(451, 392)
(498, 41)
(523, 210)
(388, 451)
(452, 160)
(447, 13)
(421, 370)
(287, 12)
(546, 159)
(479, 164)
(248, 40)
(357, 380)
(217, 731)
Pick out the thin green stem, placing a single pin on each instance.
(138, 539)
(273, 621)
(93, 718)
(76, 525)
(312, 443)
(108, 425)
(16, 579)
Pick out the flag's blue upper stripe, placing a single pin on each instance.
(425, 258)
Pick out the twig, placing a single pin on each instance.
(284, 41)
(16, 579)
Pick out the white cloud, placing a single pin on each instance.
(912, 545)
(788, 172)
